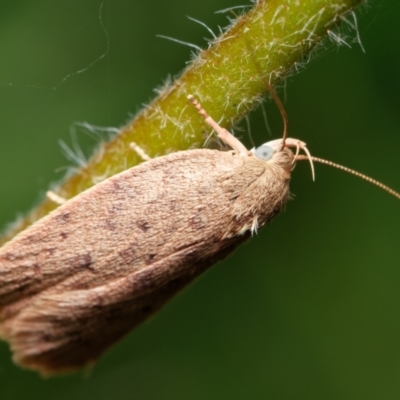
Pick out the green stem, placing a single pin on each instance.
(228, 78)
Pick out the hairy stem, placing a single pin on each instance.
(266, 44)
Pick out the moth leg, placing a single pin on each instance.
(139, 151)
(55, 198)
(222, 133)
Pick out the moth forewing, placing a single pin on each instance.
(80, 278)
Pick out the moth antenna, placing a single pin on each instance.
(350, 171)
(222, 133)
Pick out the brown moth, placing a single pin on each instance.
(82, 277)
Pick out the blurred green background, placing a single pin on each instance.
(309, 308)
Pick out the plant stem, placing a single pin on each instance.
(269, 42)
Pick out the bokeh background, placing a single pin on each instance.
(309, 308)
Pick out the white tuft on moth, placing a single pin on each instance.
(79, 279)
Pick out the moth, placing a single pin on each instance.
(79, 279)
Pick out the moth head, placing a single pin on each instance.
(278, 151)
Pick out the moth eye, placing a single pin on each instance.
(264, 152)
